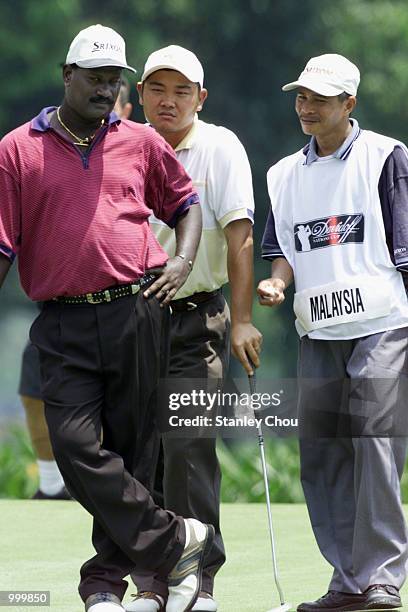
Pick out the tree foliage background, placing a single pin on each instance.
(249, 48)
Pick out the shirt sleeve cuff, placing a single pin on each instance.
(182, 209)
(402, 266)
(235, 215)
(270, 255)
(7, 252)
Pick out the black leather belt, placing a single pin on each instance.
(109, 294)
(191, 302)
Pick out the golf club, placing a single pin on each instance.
(284, 607)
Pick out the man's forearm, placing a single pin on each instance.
(240, 269)
(282, 270)
(271, 291)
(4, 268)
(177, 269)
(246, 340)
(188, 233)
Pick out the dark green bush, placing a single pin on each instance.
(18, 469)
(242, 479)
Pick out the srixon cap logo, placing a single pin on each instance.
(329, 231)
(106, 46)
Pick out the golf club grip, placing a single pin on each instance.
(252, 378)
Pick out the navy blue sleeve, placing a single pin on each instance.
(393, 192)
(270, 244)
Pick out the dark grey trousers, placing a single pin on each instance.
(100, 367)
(192, 478)
(352, 402)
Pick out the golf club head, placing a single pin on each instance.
(282, 608)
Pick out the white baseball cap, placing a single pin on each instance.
(328, 75)
(98, 46)
(177, 58)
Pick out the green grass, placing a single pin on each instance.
(44, 543)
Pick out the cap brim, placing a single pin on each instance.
(102, 63)
(320, 88)
(186, 73)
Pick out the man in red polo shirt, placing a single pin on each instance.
(51, 484)
(78, 186)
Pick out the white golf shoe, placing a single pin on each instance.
(185, 577)
(103, 602)
(146, 602)
(205, 603)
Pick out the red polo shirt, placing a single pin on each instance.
(79, 221)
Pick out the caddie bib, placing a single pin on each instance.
(329, 225)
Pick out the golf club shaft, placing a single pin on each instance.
(268, 505)
(252, 387)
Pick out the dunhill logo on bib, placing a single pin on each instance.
(328, 231)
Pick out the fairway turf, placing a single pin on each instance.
(44, 543)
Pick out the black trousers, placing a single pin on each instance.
(100, 365)
(192, 478)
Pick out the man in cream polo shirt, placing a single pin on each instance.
(338, 226)
(172, 93)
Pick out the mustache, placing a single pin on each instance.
(102, 99)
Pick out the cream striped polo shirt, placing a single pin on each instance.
(217, 162)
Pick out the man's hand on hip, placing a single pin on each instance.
(172, 277)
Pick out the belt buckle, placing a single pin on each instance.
(191, 305)
(93, 300)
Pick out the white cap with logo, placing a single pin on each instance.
(98, 46)
(177, 58)
(328, 75)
